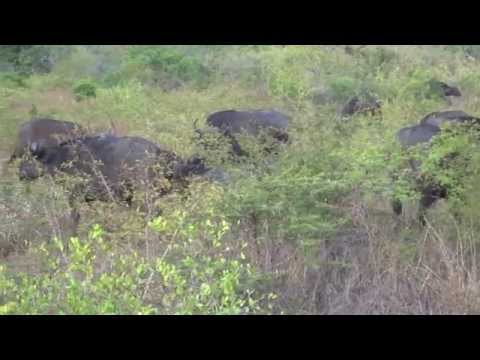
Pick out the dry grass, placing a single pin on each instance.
(46, 101)
(370, 269)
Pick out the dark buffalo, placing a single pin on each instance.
(231, 123)
(417, 134)
(356, 105)
(38, 135)
(113, 168)
(443, 89)
(423, 133)
(41, 133)
(409, 137)
(452, 117)
(114, 161)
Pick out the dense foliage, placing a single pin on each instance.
(308, 230)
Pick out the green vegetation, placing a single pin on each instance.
(310, 230)
(85, 276)
(84, 89)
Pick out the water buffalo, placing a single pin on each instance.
(423, 133)
(443, 89)
(416, 134)
(113, 168)
(452, 117)
(231, 123)
(39, 134)
(355, 105)
(409, 137)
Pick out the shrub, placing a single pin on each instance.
(417, 86)
(169, 65)
(71, 284)
(198, 272)
(284, 72)
(295, 198)
(11, 79)
(201, 271)
(84, 89)
(377, 58)
(30, 59)
(343, 87)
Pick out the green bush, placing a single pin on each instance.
(198, 272)
(343, 87)
(418, 86)
(377, 58)
(283, 70)
(84, 89)
(295, 197)
(71, 284)
(202, 272)
(78, 63)
(11, 79)
(30, 59)
(169, 64)
(470, 206)
(10, 54)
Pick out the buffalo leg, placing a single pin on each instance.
(397, 206)
(429, 196)
(74, 215)
(236, 149)
(426, 201)
(74, 212)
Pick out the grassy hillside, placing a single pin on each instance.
(313, 233)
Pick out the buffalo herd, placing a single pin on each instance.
(113, 168)
(421, 133)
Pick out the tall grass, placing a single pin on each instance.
(311, 232)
